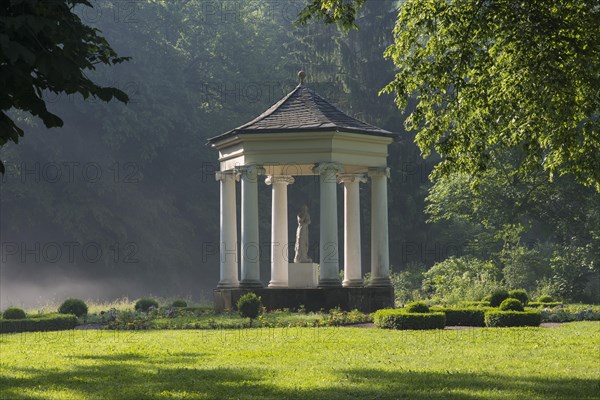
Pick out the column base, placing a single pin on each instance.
(228, 284)
(275, 284)
(380, 282)
(327, 283)
(251, 284)
(352, 283)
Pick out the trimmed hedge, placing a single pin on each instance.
(50, 322)
(467, 316)
(399, 319)
(498, 297)
(511, 304)
(537, 304)
(417, 307)
(77, 307)
(179, 303)
(495, 319)
(14, 313)
(545, 299)
(468, 304)
(520, 295)
(145, 304)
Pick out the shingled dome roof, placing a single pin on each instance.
(303, 110)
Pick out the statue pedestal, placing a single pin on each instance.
(303, 275)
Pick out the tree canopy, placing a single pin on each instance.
(497, 75)
(44, 46)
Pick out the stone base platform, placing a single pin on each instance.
(366, 299)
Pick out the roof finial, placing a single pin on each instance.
(301, 76)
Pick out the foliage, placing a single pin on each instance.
(468, 316)
(559, 313)
(47, 47)
(417, 307)
(545, 299)
(407, 283)
(400, 319)
(474, 304)
(497, 297)
(76, 307)
(459, 279)
(14, 313)
(520, 295)
(179, 303)
(511, 304)
(537, 304)
(341, 12)
(146, 304)
(39, 323)
(249, 305)
(492, 76)
(494, 318)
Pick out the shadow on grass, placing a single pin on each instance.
(114, 378)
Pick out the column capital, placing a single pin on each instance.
(251, 171)
(227, 175)
(379, 171)
(273, 179)
(351, 178)
(321, 167)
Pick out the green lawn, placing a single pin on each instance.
(314, 363)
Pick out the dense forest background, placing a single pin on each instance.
(122, 200)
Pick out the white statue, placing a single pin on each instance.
(301, 247)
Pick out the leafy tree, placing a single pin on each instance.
(44, 46)
(491, 75)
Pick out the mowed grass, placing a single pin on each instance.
(299, 363)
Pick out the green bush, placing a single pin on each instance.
(536, 304)
(520, 295)
(14, 313)
(179, 303)
(467, 304)
(145, 304)
(400, 319)
(460, 278)
(487, 298)
(511, 304)
(494, 318)
(51, 322)
(76, 307)
(471, 316)
(497, 297)
(249, 305)
(545, 299)
(417, 307)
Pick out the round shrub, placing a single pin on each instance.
(495, 318)
(417, 307)
(545, 299)
(400, 319)
(511, 304)
(520, 295)
(179, 303)
(14, 313)
(498, 297)
(249, 305)
(145, 304)
(76, 307)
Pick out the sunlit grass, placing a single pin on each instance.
(298, 363)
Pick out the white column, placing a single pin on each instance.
(228, 252)
(352, 244)
(380, 253)
(279, 230)
(328, 247)
(250, 256)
